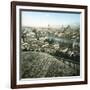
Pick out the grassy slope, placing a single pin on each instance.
(37, 65)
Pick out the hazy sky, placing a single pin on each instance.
(33, 18)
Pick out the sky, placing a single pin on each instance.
(34, 18)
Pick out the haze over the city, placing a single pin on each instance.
(43, 19)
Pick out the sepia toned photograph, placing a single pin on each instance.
(49, 44)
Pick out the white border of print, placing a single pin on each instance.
(55, 79)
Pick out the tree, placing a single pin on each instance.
(23, 35)
(36, 34)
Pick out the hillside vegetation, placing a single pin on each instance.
(39, 65)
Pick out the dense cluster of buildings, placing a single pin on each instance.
(51, 39)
